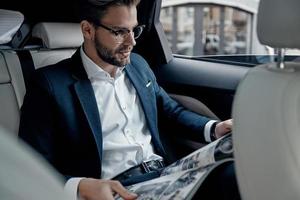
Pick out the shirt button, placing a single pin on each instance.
(124, 107)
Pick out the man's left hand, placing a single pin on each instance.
(224, 127)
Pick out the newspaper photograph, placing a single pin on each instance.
(209, 154)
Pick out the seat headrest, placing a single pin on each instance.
(9, 24)
(58, 35)
(278, 23)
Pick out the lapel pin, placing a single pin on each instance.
(148, 84)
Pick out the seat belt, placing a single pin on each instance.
(27, 65)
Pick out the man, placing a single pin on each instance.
(95, 115)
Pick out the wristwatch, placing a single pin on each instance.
(213, 131)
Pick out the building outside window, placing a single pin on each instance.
(207, 28)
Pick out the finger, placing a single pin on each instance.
(105, 194)
(227, 125)
(95, 189)
(117, 187)
(231, 122)
(223, 128)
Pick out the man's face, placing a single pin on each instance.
(111, 48)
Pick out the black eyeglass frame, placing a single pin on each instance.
(100, 2)
(123, 31)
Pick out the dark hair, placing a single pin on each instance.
(94, 10)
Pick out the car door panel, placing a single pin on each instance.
(214, 84)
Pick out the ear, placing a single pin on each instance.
(88, 30)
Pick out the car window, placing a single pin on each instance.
(204, 29)
(197, 29)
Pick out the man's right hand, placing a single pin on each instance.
(98, 189)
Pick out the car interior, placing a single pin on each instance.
(262, 100)
(204, 87)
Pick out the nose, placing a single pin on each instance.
(129, 39)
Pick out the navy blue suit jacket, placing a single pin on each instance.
(60, 119)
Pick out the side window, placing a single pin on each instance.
(204, 29)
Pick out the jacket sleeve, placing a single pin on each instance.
(179, 114)
(169, 108)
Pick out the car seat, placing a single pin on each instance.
(266, 111)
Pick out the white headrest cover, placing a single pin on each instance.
(279, 23)
(58, 35)
(9, 24)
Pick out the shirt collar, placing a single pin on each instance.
(93, 70)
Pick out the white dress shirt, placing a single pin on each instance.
(126, 137)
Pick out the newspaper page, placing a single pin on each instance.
(219, 149)
(177, 186)
(180, 180)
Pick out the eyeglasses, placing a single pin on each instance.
(99, 2)
(121, 33)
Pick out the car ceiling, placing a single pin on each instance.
(63, 10)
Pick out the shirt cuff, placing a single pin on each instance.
(71, 187)
(207, 130)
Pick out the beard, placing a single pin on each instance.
(110, 56)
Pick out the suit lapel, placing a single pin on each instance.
(86, 96)
(144, 90)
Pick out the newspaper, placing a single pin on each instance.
(182, 179)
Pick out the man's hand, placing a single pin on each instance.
(223, 128)
(97, 189)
